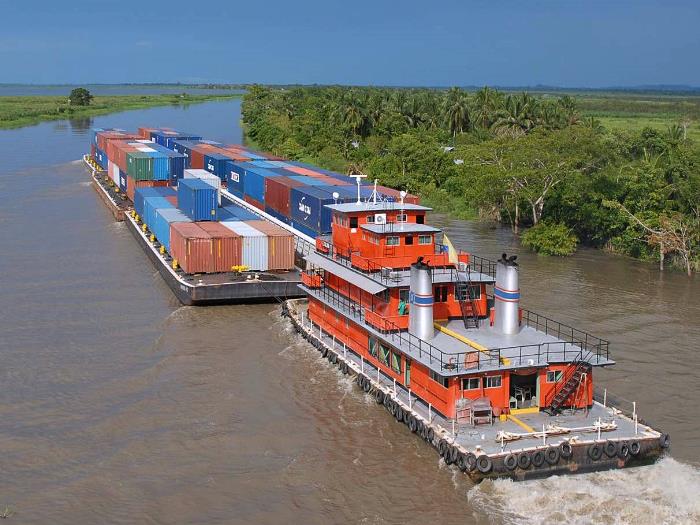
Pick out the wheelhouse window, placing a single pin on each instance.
(439, 379)
(554, 376)
(492, 381)
(383, 354)
(370, 219)
(353, 222)
(471, 383)
(425, 239)
(396, 362)
(420, 219)
(401, 217)
(408, 240)
(392, 240)
(474, 291)
(373, 347)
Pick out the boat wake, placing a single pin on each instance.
(665, 492)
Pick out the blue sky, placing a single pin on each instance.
(563, 43)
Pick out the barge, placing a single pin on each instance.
(439, 339)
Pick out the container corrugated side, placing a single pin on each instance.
(280, 245)
(308, 207)
(240, 213)
(254, 245)
(192, 247)
(150, 205)
(227, 246)
(164, 217)
(197, 199)
(140, 194)
(277, 193)
(207, 177)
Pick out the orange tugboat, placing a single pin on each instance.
(439, 338)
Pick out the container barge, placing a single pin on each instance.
(437, 336)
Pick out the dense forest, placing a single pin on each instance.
(535, 163)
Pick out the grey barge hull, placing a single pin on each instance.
(476, 451)
(200, 289)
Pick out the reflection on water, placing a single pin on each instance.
(120, 406)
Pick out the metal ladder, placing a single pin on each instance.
(467, 306)
(569, 387)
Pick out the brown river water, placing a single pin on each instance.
(118, 405)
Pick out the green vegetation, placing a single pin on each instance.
(515, 158)
(23, 111)
(550, 239)
(80, 97)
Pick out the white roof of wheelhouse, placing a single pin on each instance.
(349, 207)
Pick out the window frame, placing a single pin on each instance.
(424, 240)
(391, 238)
(395, 359)
(401, 217)
(487, 381)
(356, 220)
(440, 380)
(558, 375)
(468, 381)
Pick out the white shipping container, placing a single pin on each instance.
(254, 245)
(113, 172)
(207, 177)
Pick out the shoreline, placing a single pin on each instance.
(21, 111)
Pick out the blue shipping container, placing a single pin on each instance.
(161, 165)
(197, 199)
(101, 158)
(307, 181)
(254, 184)
(216, 163)
(141, 193)
(240, 213)
(164, 217)
(277, 215)
(150, 205)
(307, 207)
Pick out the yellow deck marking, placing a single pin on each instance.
(518, 422)
(474, 345)
(528, 410)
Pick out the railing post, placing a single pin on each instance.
(394, 387)
(605, 398)
(362, 364)
(430, 412)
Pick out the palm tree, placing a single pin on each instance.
(517, 117)
(675, 133)
(487, 101)
(456, 111)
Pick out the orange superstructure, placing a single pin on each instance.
(447, 325)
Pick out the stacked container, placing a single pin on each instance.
(280, 245)
(197, 199)
(207, 177)
(192, 247)
(162, 220)
(226, 246)
(254, 245)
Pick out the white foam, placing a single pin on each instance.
(666, 492)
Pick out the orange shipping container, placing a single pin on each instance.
(131, 185)
(280, 245)
(226, 245)
(192, 247)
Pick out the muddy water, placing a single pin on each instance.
(119, 406)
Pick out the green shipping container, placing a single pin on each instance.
(139, 165)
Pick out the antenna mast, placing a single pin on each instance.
(358, 177)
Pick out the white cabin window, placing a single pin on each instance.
(440, 379)
(492, 381)
(370, 219)
(425, 239)
(471, 383)
(392, 240)
(553, 376)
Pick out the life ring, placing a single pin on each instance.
(412, 424)
(566, 450)
(551, 455)
(510, 461)
(624, 451)
(484, 464)
(524, 460)
(379, 396)
(610, 449)
(635, 448)
(538, 458)
(462, 462)
(595, 451)
(665, 441)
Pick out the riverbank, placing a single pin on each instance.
(18, 111)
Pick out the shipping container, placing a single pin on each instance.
(226, 246)
(308, 181)
(307, 205)
(254, 245)
(140, 194)
(192, 248)
(197, 199)
(256, 204)
(240, 213)
(277, 193)
(207, 177)
(280, 245)
(164, 217)
(172, 199)
(254, 183)
(150, 205)
(113, 172)
(101, 158)
(216, 163)
(168, 138)
(277, 215)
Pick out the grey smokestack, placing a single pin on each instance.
(420, 298)
(507, 296)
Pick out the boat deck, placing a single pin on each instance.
(574, 426)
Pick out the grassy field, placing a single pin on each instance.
(23, 111)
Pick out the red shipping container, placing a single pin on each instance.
(250, 200)
(172, 200)
(280, 245)
(192, 247)
(303, 171)
(396, 194)
(131, 185)
(227, 245)
(277, 193)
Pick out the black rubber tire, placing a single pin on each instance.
(538, 458)
(333, 358)
(665, 441)
(392, 408)
(399, 413)
(454, 454)
(623, 451)
(524, 460)
(367, 386)
(442, 444)
(471, 462)
(610, 449)
(462, 462)
(510, 462)
(421, 429)
(360, 379)
(379, 396)
(566, 450)
(406, 416)
(346, 369)
(387, 400)
(484, 464)
(324, 352)
(595, 451)
(448, 456)
(430, 434)
(551, 455)
(412, 424)
(635, 448)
